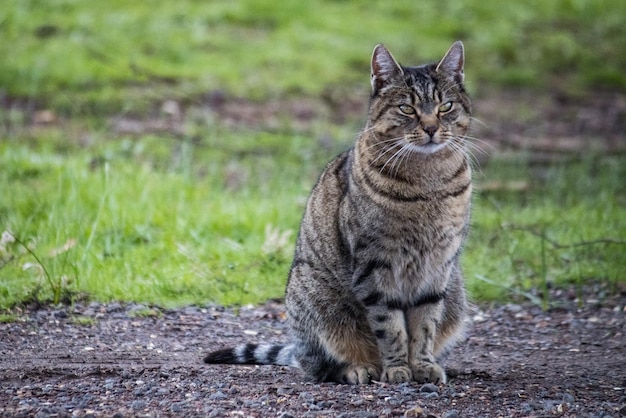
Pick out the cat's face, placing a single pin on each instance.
(419, 109)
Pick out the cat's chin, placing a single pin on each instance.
(428, 148)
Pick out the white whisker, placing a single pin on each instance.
(408, 150)
(366, 130)
(393, 157)
(476, 148)
(383, 142)
(474, 139)
(468, 153)
(385, 151)
(479, 121)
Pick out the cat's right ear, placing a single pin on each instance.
(452, 63)
(384, 68)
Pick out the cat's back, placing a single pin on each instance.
(319, 238)
(332, 184)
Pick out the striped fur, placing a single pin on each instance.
(375, 291)
(255, 354)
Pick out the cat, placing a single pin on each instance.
(375, 291)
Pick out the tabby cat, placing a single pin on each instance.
(375, 291)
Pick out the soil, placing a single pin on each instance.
(122, 360)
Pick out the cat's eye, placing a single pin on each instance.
(445, 107)
(406, 109)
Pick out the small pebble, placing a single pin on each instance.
(218, 412)
(177, 407)
(358, 414)
(60, 314)
(414, 412)
(138, 404)
(452, 414)
(306, 397)
(114, 307)
(429, 388)
(283, 390)
(218, 396)
(89, 313)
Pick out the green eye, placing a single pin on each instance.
(445, 107)
(406, 109)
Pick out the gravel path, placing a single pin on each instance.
(120, 360)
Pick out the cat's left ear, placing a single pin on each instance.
(385, 68)
(453, 61)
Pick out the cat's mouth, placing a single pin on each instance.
(429, 147)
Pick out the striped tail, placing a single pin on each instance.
(280, 355)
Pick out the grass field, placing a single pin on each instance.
(211, 215)
(166, 222)
(86, 59)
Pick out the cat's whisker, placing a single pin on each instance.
(483, 124)
(396, 161)
(473, 141)
(382, 142)
(478, 145)
(393, 157)
(386, 150)
(479, 140)
(476, 148)
(468, 153)
(401, 161)
(390, 159)
(366, 130)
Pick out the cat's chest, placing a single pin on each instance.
(415, 252)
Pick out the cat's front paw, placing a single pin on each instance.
(358, 375)
(398, 374)
(425, 372)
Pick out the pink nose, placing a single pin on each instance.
(430, 130)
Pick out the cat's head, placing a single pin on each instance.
(426, 107)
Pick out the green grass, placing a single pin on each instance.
(153, 218)
(567, 227)
(81, 58)
(170, 222)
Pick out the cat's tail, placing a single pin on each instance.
(280, 355)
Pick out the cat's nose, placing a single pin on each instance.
(430, 129)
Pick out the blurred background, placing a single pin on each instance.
(162, 152)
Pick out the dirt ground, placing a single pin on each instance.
(121, 360)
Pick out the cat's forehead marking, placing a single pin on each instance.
(422, 84)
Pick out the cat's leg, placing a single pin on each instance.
(354, 348)
(333, 339)
(422, 323)
(453, 320)
(389, 327)
(322, 366)
(345, 357)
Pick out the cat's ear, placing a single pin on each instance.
(384, 67)
(453, 61)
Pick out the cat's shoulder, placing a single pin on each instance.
(339, 167)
